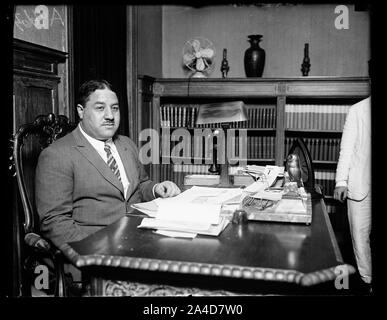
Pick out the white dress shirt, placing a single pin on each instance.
(99, 146)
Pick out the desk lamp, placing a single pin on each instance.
(222, 113)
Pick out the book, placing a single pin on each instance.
(201, 179)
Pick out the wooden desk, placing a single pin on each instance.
(244, 258)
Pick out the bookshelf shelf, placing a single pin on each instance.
(318, 162)
(310, 131)
(261, 159)
(215, 127)
(279, 111)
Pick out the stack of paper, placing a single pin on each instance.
(194, 211)
(185, 227)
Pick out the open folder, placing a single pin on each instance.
(196, 210)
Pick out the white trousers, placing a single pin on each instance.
(359, 216)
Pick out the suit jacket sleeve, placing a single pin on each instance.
(347, 147)
(54, 196)
(145, 184)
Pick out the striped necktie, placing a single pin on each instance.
(112, 162)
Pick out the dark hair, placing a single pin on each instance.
(88, 87)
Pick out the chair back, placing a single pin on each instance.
(28, 142)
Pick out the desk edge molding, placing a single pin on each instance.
(332, 236)
(207, 269)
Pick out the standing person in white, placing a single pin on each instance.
(353, 182)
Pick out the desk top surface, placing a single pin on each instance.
(304, 254)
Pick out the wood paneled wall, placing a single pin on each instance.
(48, 26)
(149, 42)
(285, 30)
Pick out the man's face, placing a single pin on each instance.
(100, 117)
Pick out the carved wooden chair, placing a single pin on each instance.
(306, 165)
(28, 142)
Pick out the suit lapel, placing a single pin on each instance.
(88, 151)
(128, 162)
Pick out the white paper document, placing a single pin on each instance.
(176, 234)
(206, 195)
(189, 212)
(149, 208)
(266, 178)
(256, 186)
(196, 210)
(195, 195)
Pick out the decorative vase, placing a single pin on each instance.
(254, 57)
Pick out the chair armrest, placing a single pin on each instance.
(35, 241)
(42, 246)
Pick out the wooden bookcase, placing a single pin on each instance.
(280, 110)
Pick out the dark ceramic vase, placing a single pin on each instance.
(254, 57)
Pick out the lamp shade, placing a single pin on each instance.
(221, 112)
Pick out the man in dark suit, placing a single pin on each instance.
(89, 178)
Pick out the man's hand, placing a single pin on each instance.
(167, 189)
(340, 193)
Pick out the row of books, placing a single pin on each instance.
(191, 168)
(320, 149)
(263, 147)
(257, 147)
(315, 117)
(321, 175)
(177, 172)
(177, 115)
(326, 179)
(167, 173)
(199, 168)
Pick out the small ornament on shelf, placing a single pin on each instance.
(305, 67)
(224, 67)
(254, 59)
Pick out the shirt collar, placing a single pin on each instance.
(95, 142)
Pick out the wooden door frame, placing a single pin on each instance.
(70, 64)
(132, 70)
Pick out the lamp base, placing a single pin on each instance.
(198, 74)
(214, 168)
